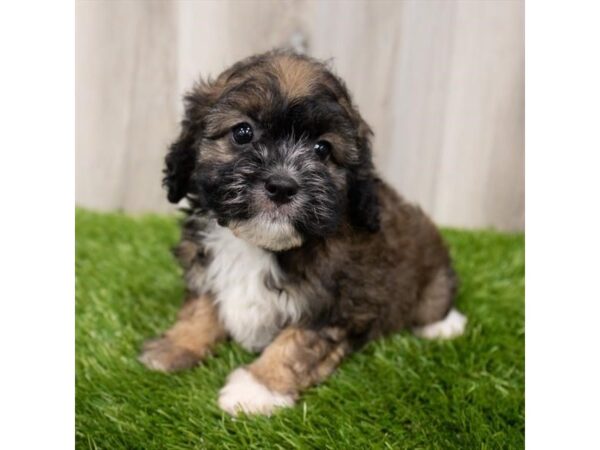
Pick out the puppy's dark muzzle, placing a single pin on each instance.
(281, 189)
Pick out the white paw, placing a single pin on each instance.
(451, 326)
(244, 393)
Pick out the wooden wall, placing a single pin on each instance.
(440, 81)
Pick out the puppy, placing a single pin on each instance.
(293, 246)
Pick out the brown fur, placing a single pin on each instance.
(393, 282)
(296, 76)
(385, 281)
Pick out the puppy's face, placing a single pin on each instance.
(275, 150)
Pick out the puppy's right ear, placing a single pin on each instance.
(181, 158)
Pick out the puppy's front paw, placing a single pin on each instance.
(244, 393)
(163, 355)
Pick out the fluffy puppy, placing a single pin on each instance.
(292, 246)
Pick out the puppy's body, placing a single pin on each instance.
(370, 284)
(293, 245)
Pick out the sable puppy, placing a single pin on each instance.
(293, 246)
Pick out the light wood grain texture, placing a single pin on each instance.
(126, 102)
(440, 81)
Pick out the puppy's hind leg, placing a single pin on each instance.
(453, 325)
(188, 341)
(434, 317)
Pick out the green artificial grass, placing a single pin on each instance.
(400, 392)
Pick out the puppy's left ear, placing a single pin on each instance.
(363, 184)
(181, 158)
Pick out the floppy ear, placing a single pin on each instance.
(181, 158)
(363, 201)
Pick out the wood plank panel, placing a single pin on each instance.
(126, 102)
(441, 83)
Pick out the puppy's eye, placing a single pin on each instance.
(242, 133)
(322, 149)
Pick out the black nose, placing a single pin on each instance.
(280, 188)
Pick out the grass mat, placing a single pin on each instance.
(400, 392)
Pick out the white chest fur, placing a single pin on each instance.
(251, 312)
